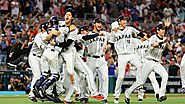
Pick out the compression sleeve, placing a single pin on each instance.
(91, 36)
(141, 34)
(66, 44)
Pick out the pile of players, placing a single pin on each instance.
(58, 68)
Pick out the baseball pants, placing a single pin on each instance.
(122, 62)
(148, 67)
(100, 65)
(35, 64)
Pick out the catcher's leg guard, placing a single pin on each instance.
(39, 82)
(37, 85)
(50, 81)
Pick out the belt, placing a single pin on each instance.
(36, 55)
(152, 59)
(125, 53)
(52, 50)
(95, 56)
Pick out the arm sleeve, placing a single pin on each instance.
(141, 34)
(66, 44)
(91, 36)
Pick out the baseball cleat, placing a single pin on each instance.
(162, 98)
(127, 100)
(68, 102)
(157, 96)
(34, 99)
(140, 99)
(77, 97)
(98, 97)
(57, 100)
(116, 100)
(104, 101)
(183, 90)
(50, 97)
(84, 100)
(36, 93)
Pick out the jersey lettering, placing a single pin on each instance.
(97, 39)
(142, 46)
(123, 36)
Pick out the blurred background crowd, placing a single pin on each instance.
(20, 21)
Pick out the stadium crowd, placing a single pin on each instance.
(20, 22)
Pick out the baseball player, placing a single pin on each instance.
(81, 68)
(182, 66)
(45, 71)
(96, 60)
(50, 62)
(86, 73)
(121, 40)
(152, 63)
(68, 53)
(35, 56)
(142, 46)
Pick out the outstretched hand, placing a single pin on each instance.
(167, 22)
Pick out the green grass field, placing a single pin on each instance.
(172, 99)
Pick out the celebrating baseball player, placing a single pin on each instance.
(152, 63)
(142, 46)
(96, 60)
(35, 56)
(121, 40)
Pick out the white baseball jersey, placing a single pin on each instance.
(39, 44)
(97, 44)
(122, 40)
(68, 35)
(156, 53)
(141, 47)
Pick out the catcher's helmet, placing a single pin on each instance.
(44, 25)
(54, 20)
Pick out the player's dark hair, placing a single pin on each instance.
(98, 20)
(72, 11)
